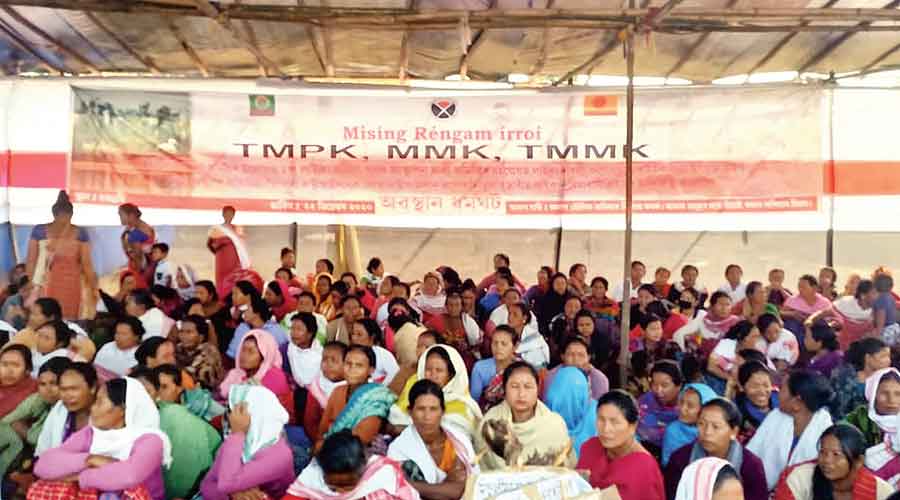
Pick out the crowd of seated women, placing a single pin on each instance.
(339, 387)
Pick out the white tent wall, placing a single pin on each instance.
(37, 119)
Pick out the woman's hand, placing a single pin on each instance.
(239, 419)
(251, 494)
(97, 461)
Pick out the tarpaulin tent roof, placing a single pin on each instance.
(551, 40)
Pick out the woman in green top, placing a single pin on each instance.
(194, 441)
(23, 425)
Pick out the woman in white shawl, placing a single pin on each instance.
(883, 395)
(431, 298)
(444, 366)
(436, 457)
(531, 347)
(790, 434)
(52, 342)
(709, 478)
(122, 450)
(226, 242)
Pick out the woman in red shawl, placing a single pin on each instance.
(16, 383)
(278, 296)
(226, 243)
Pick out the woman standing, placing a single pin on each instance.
(59, 261)
(137, 241)
(226, 242)
(522, 430)
(615, 457)
(837, 473)
(719, 425)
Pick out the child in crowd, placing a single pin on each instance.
(330, 376)
(163, 271)
(684, 430)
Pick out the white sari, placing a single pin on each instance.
(772, 442)
(410, 446)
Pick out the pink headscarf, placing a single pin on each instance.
(271, 358)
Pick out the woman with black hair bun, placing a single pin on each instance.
(59, 261)
(838, 473)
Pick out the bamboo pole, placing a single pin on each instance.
(23, 44)
(58, 45)
(624, 353)
(188, 49)
(146, 61)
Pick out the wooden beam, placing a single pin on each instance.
(479, 19)
(878, 60)
(782, 43)
(65, 49)
(325, 33)
(186, 46)
(23, 44)
(146, 61)
(545, 36)
(611, 45)
(840, 40)
(404, 44)
(476, 42)
(223, 20)
(251, 39)
(685, 57)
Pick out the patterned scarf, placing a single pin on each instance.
(369, 400)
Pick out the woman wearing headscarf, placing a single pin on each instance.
(719, 424)
(436, 457)
(522, 430)
(278, 296)
(444, 366)
(255, 456)
(59, 260)
(123, 450)
(710, 479)
(569, 396)
(790, 434)
(342, 472)
(259, 362)
(838, 472)
(185, 282)
(880, 424)
(359, 406)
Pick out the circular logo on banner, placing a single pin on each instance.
(263, 102)
(443, 108)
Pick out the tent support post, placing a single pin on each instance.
(830, 183)
(624, 358)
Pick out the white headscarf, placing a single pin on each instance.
(699, 479)
(141, 418)
(267, 417)
(889, 424)
(191, 277)
(305, 363)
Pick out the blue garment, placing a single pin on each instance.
(271, 326)
(885, 302)
(39, 233)
(482, 374)
(135, 235)
(679, 433)
(490, 302)
(570, 397)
